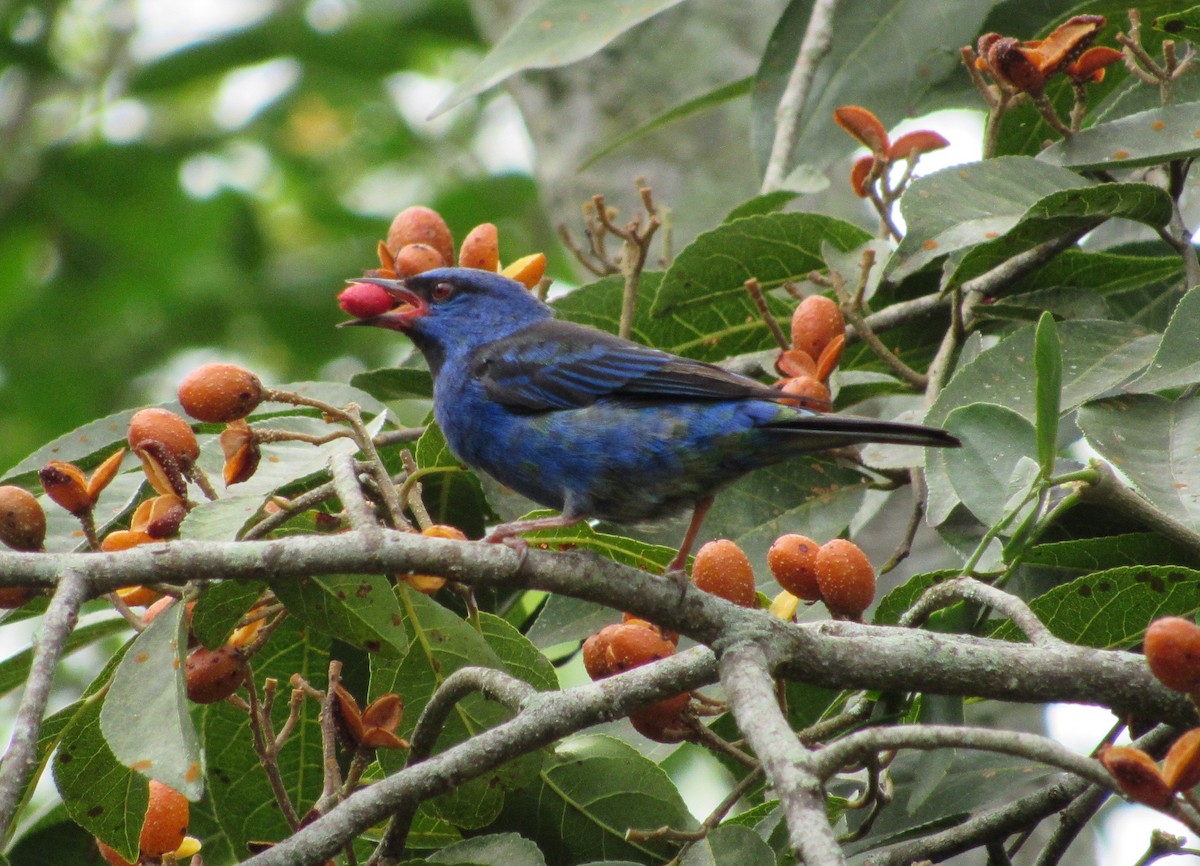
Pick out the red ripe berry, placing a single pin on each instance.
(220, 393)
(793, 561)
(662, 722)
(214, 675)
(815, 322)
(631, 646)
(722, 568)
(1172, 649)
(22, 521)
(846, 578)
(1136, 775)
(363, 300)
(166, 821)
(595, 653)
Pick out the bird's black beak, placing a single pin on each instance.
(408, 306)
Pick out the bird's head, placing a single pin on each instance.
(446, 306)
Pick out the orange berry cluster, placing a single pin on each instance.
(164, 830)
(818, 338)
(867, 129)
(1172, 649)
(419, 240)
(837, 573)
(630, 644)
(1025, 67)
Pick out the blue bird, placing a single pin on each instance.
(592, 425)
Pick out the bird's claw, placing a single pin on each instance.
(513, 542)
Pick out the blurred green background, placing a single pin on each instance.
(185, 181)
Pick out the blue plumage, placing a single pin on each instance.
(590, 424)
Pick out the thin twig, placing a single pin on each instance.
(818, 36)
(760, 303)
(48, 644)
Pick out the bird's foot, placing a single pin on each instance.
(680, 576)
(503, 535)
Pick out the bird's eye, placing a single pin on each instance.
(441, 291)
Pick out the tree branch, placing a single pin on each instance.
(21, 755)
(814, 46)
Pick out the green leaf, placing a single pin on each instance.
(1185, 24)
(1111, 609)
(893, 605)
(220, 607)
(358, 609)
(395, 383)
(54, 839)
(1147, 138)
(1177, 361)
(553, 33)
(703, 102)
(965, 205)
(519, 655)
(767, 203)
(85, 446)
(101, 794)
(984, 472)
(145, 719)
(14, 670)
(730, 844)
(591, 791)
(451, 493)
(772, 248)
(240, 792)
(1066, 213)
(1047, 364)
(1097, 356)
(500, 849)
(1154, 441)
(1109, 551)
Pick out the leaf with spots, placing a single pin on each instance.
(101, 794)
(1147, 138)
(1109, 551)
(240, 792)
(360, 610)
(553, 33)
(772, 248)
(959, 207)
(145, 719)
(1111, 609)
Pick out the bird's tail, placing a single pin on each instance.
(820, 431)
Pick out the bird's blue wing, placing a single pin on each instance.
(560, 365)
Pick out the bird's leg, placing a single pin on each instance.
(678, 566)
(509, 533)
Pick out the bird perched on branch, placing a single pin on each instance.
(590, 424)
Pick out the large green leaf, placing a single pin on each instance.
(1108, 551)
(1111, 609)
(1097, 356)
(553, 33)
(1154, 442)
(1146, 138)
(590, 792)
(240, 792)
(452, 494)
(145, 719)
(970, 204)
(102, 795)
(1047, 364)
(357, 609)
(500, 849)
(1177, 361)
(1071, 212)
(772, 248)
(985, 471)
